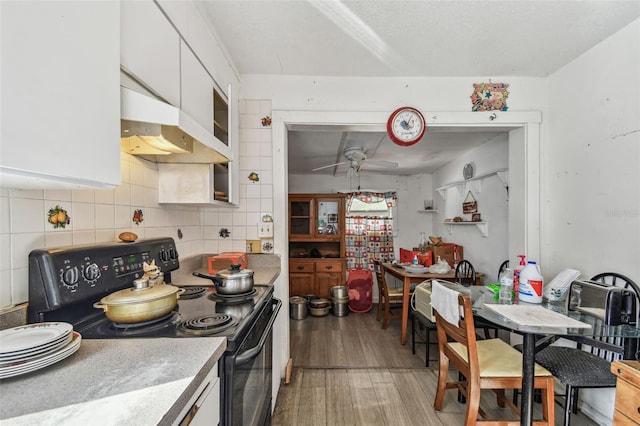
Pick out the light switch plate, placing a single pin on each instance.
(265, 229)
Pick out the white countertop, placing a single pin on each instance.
(112, 382)
(121, 382)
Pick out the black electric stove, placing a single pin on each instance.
(65, 283)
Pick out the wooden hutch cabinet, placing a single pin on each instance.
(316, 243)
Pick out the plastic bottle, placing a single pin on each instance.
(506, 286)
(516, 273)
(456, 259)
(415, 259)
(531, 284)
(422, 247)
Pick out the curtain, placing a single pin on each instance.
(369, 237)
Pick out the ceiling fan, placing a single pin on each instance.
(355, 157)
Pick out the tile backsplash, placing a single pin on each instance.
(98, 216)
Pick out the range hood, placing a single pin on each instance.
(162, 133)
(138, 138)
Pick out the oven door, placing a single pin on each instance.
(246, 399)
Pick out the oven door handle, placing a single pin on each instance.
(251, 354)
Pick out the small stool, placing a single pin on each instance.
(429, 326)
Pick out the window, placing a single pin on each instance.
(373, 208)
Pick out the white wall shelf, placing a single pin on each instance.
(428, 211)
(483, 227)
(461, 186)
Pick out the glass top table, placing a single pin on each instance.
(486, 306)
(533, 322)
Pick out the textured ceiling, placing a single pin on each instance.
(413, 38)
(401, 38)
(439, 146)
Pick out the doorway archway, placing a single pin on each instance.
(524, 178)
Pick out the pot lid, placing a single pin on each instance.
(319, 302)
(138, 295)
(235, 272)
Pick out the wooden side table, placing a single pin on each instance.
(627, 410)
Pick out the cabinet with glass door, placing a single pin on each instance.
(316, 243)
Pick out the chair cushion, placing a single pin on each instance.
(497, 359)
(576, 367)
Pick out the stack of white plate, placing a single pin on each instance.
(31, 347)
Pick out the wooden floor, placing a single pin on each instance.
(348, 371)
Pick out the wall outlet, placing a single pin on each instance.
(265, 229)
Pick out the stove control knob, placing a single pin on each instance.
(70, 277)
(164, 255)
(91, 272)
(173, 253)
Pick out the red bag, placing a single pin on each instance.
(360, 289)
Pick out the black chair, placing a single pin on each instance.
(504, 265)
(465, 273)
(589, 367)
(428, 326)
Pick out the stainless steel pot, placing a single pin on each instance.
(339, 292)
(140, 303)
(319, 303)
(340, 307)
(231, 281)
(297, 308)
(319, 312)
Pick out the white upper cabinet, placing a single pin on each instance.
(150, 49)
(60, 83)
(197, 89)
(168, 47)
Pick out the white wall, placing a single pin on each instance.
(320, 93)
(592, 160)
(591, 165)
(485, 253)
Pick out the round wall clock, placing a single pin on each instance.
(406, 126)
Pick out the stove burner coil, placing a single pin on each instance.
(208, 324)
(192, 292)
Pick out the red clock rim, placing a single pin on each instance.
(402, 142)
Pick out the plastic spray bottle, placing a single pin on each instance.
(516, 273)
(531, 283)
(415, 259)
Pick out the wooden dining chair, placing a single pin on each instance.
(465, 273)
(589, 364)
(486, 364)
(388, 298)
